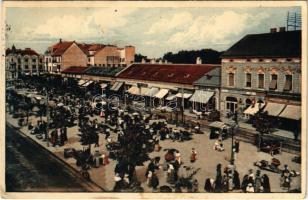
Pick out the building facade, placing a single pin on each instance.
(23, 62)
(262, 68)
(64, 54)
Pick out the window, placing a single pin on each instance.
(231, 103)
(33, 60)
(26, 60)
(248, 80)
(26, 67)
(40, 67)
(288, 83)
(231, 79)
(261, 80)
(33, 66)
(273, 84)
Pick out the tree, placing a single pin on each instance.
(139, 57)
(262, 122)
(208, 56)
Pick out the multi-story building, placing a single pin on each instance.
(70, 53)
(23, 62)
(264, 69)
(65, 54)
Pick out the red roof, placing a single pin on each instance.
(172, 73)
(74, 70)
(59, 48)
(95, 47)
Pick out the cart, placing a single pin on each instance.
(219, 130)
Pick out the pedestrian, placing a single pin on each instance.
(225, 183)
(193, 156)
(154, 181)
(208, 186)
(178, 157)
(237, 145)
(244, 183)
(266, 184)
(149, 177)
(250, 188)
(257, 182)
(218, 180)
(118, 183)
(236, 180)
(170, 174)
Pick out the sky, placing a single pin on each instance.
(153, 31)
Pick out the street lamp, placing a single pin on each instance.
(47, 116)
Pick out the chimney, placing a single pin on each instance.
(198, 61)
(160, 61)
(60, 40)
(152, 61)
(273, 30)
(166, 61)
(143, 60)
(282, 29)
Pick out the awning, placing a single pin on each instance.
(184, 95)
(162, 93)
(291, 112)
(103, 85)
(169, 98)
(81, 82)
(253, 109)
(87, 84)
(116, 86)
(274, 109)
(201, 96)
(152, 92)
(133, 90)
(218, 124)
(144, 91)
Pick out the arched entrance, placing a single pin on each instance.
(231, 103)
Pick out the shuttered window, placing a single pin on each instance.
(248, 80)
(231, 79)
(273, 84)
(261, 80)
(288, 83)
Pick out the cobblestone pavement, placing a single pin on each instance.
(207, 159)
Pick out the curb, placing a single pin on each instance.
(73, 170)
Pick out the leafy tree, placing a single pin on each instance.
(208, 56)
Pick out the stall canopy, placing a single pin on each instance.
(152, 92)
(144, 91)
(103, 85)
(162, 93)
(274, 109)
(87, 84)
(116, 86)
(171, 97)
(201, 96)
(291, 112)
(184, 95)
(81, 82)
(218, 124)
(133, 90)
(253, 109)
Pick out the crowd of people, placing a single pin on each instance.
(130, 136)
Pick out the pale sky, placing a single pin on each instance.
(153, 31)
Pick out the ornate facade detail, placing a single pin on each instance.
(231, 69)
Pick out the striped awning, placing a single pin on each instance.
(201, 96)
(291, 112)
(87, 84)
(171, 97)
(144, 91)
